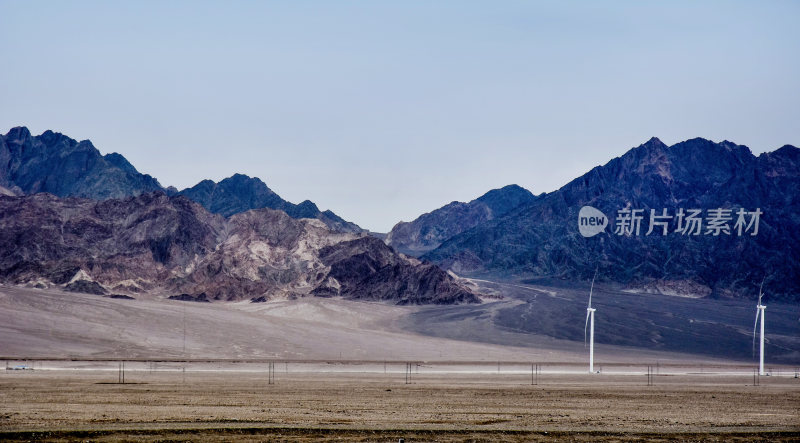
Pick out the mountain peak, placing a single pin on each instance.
(242, 177)
(782, 162)
(700, 148)
(245, 181)
(54, 163)
(240, 193)
(308, 204)
(653, 143)
(506, 198)
(18, 133)
(787, 150)
(654, 140)
(51, 139)
(513, 188)
(429, 230)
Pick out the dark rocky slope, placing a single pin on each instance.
(365, 268)
(172, 246)
(541, 238)
(56, 164)
(429, 230)
(240, 193)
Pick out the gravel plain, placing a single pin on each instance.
(334, 406)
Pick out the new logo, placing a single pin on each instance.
(591, 221)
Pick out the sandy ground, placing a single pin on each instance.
(53, 324)
(217, 406)
(42, 323)
(45, 324)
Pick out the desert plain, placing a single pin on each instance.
(337, 370)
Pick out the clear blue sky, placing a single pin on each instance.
(383, 110)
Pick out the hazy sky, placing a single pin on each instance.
(384, 110)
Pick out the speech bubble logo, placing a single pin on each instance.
(591, 221)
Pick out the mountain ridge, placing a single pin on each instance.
(427, 231)
(172, 246)
(55, 163)
(240, 193)
(540, 240)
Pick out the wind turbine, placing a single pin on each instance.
(760, 312)
(590, 319)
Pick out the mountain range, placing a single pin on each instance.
(540, 240)
(106, 227)
(54, 163)
(240, 193)
(74, 218)
(173, 247)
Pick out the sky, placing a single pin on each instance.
(384, 110)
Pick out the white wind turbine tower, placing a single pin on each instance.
(590, 319)
(760, 312)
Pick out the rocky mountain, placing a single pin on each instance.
(429, 230)
(240, 193)
(54, 163)
(366, 268)
(174, 247)
(541, 238)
